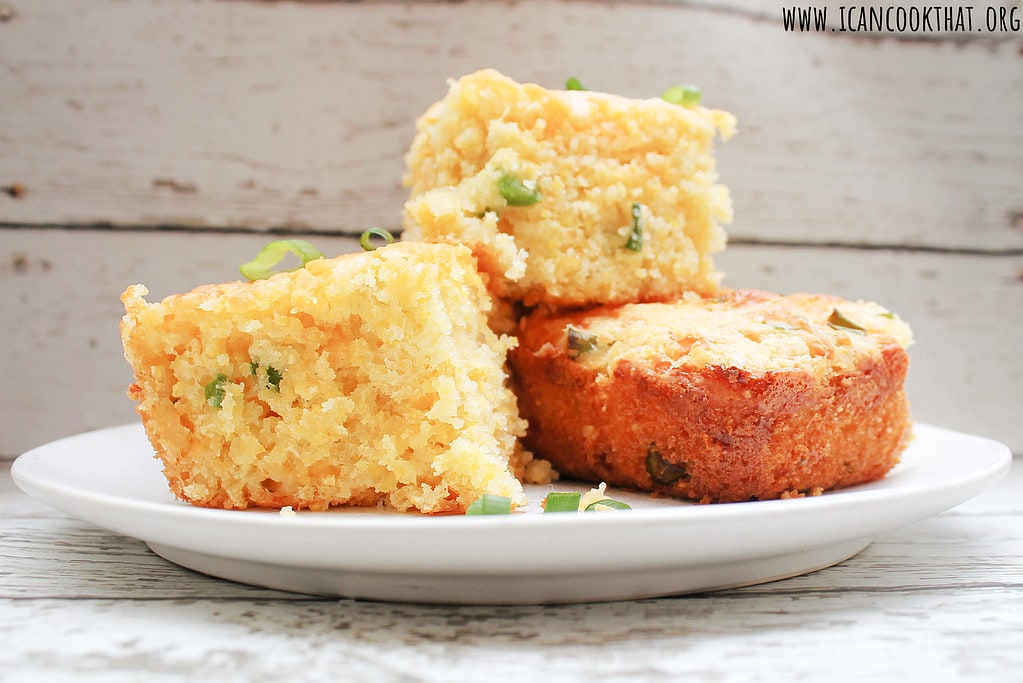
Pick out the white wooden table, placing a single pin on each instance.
(940, 600)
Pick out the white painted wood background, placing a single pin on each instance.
(159, 140)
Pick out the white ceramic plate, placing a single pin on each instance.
(661, 547)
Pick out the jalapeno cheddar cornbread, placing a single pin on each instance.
(744, 396)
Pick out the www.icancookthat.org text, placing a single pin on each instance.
(899, 19)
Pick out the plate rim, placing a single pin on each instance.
(999, 461)
(804, 520)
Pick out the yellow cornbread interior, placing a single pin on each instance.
(368, 379)
(592, 156)
(767, 334)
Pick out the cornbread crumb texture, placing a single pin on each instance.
(367, 379)
(747, 395)
(591, 156)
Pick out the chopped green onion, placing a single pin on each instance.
(260, 267)
(365, 240)
(273, 375)
(580, 341)
(561, 502)
(518, 192)
(840, 322)
(635, 241)
(273, 378)
(214, 390)
(683, 95)
(558, 501)
(574, 83)
(661, 471)
(607, 503)
(887, 314)
(490, 504)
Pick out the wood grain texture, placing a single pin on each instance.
(940, 600)
(66, 372)
(919, 636)
(297, 115)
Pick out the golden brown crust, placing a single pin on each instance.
(716, 433)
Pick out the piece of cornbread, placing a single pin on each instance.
(571, 198)
(368, 379)
(747, 395)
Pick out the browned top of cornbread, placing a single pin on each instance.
(754, 330)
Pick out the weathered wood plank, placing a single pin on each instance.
(296, 115)
(968, 635)
(65, 372)
(75, 560)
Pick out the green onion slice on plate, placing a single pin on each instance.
(607, 504)
(490, 504)
(557, 501)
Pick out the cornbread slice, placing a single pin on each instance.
(748, 395)
(602, 171)
(367, 379)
